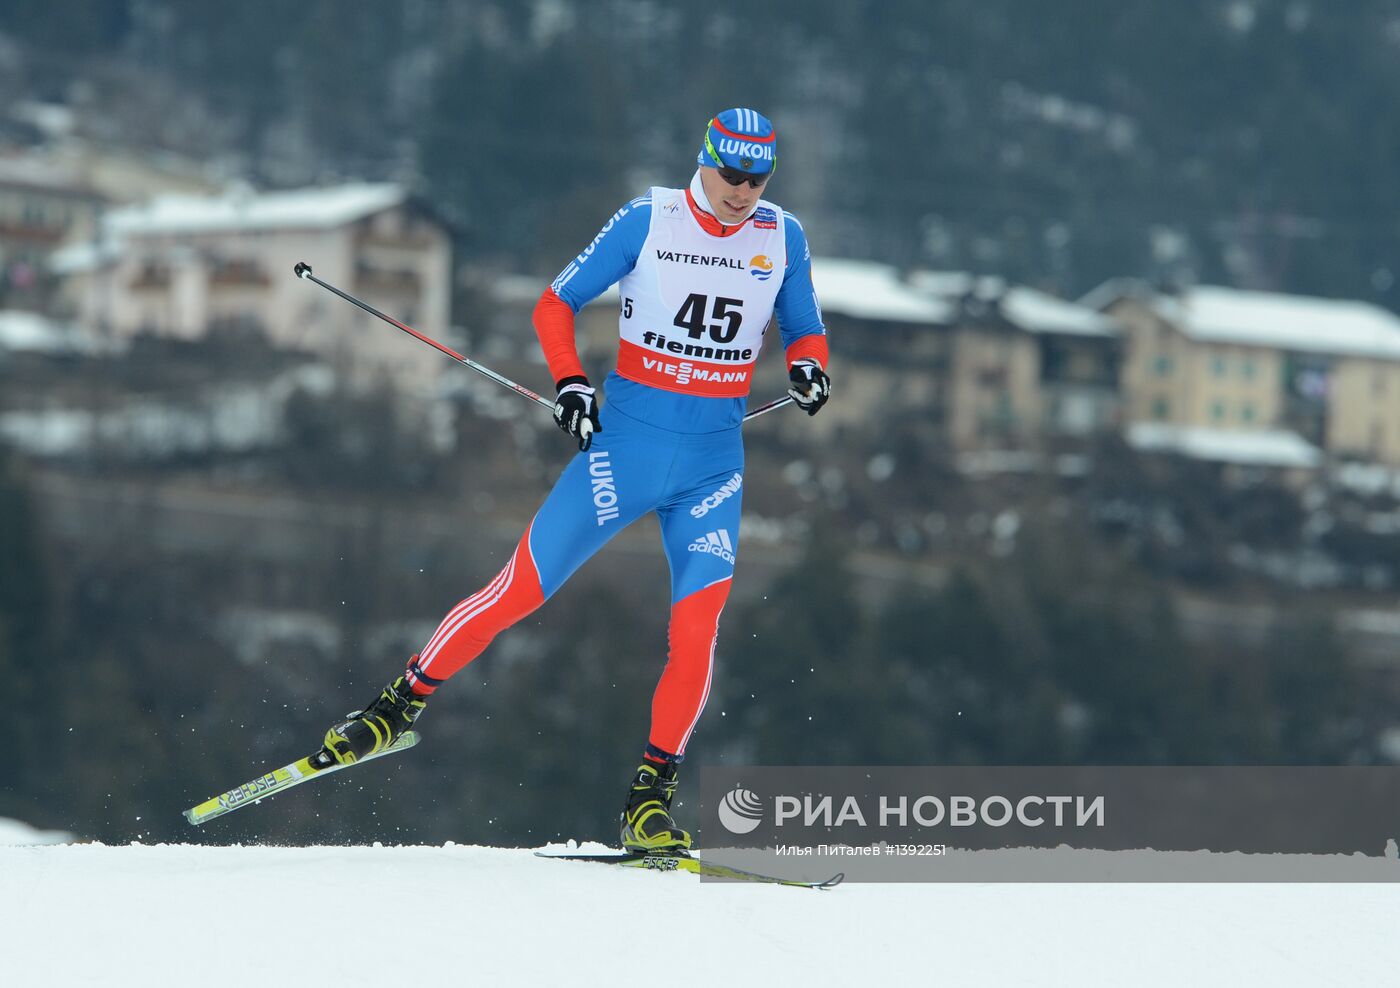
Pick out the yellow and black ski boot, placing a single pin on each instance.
(377, 726)
(647, 826)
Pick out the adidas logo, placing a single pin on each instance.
(716, 544)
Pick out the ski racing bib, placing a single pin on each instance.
(696, 306)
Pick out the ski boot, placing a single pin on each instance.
(376, 727)
(647, 826)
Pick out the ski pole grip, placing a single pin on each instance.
(302, 269)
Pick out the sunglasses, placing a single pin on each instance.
(735, 177)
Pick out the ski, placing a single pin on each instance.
(686, 862)
(282, 779)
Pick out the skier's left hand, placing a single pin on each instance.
(810, 387)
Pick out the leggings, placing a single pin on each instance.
(693, 484)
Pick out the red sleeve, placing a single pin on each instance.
(813, 346)
(554, 325)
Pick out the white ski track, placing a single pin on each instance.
(151, 916)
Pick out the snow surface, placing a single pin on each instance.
(1371, 479)
(17, 832)
(1257, 447)
(29, 331)
(171, 915)
(84, 256)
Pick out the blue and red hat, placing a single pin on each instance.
(740, 139)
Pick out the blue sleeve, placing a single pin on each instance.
(611, 255)
(799, 314)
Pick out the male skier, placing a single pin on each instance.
(701, 271)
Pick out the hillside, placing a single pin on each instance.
(1058, 144)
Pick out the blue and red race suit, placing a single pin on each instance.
(697, 298)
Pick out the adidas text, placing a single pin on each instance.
(715, 544)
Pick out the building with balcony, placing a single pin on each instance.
(188, 266)
(1217, 358)
(984, 363)
(41, 206)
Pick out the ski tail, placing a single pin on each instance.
(694, 865)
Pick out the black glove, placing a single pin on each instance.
(810, 385)
(576, 410)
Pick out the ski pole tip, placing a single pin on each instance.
(302, 269)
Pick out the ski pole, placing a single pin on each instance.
(763, 409)
(303, 270)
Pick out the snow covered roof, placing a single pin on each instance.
(1268, 319)
(1100, 297)
(1262, 447)
(54, 119)
(1032, 310)
(868, 290)
(1043, 313)
(1290, 322)
(242, 209)
(38, 172)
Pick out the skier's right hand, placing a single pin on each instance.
(810, 386)
(576, 410)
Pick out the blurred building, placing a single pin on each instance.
(54, 193)
(501, 324)
(187, 266)
(1069, 355)
(984, 364)
(42, 204)
(1223, 359)
(892, 349)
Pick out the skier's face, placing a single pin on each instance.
(731, 202)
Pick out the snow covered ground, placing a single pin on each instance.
(19, 832)
(154, 916)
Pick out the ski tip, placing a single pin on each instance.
(831, 882)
